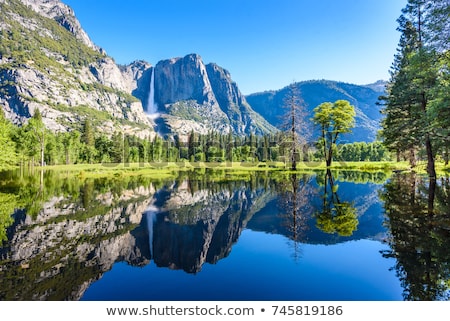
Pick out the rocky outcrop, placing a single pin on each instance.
(244, 120)
(183, 91)
(192, 93)
(69, 79)
(63, 75)
(137, 79)
(64, 15)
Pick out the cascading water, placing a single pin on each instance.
(152, 107)
(151, 218)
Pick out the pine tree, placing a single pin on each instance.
(295, 124)
(400, 126)
(411, 104)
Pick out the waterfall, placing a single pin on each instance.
(151, 218)
(152, 107)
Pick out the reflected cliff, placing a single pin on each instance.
(65, 233)
(71, 239)
(197, 226)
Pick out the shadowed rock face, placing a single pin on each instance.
(201, 227)
(243, 118)
(192, 93)
(182, 79)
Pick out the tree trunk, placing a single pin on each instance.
(431, 169)
(42, 153)
(412, 158)
(446, 156)
(329, 157)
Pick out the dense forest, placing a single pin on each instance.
(33, 144)
(416, 107)
(415, 123)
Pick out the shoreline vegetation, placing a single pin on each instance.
(161, 170)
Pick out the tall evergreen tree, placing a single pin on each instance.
(295, 124)
(418, 77)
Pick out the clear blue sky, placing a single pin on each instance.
(264, 44)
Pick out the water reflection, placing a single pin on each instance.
(295, 195)
(199, 225)
(66, 233)
(335, 215)
(418, 212)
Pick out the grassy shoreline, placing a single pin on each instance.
(167, 170)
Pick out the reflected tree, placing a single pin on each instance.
(335, 216)
(296, 192)
(8, 203)
(418, 217)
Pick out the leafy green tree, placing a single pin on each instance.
(8, 156)
(333, 119)
(118, 148)
(335, 216)
(104, 147)
(37, 134)
(54, 149)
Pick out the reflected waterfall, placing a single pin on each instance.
(151, 213)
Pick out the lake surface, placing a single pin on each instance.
(214, 236)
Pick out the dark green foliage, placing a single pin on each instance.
(416, 104)
(416, 210)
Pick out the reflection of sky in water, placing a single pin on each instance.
(198, 240)
(262, 267)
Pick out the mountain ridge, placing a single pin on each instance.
(314, 92)
(48, 62)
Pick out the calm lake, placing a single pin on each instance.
(215, 236)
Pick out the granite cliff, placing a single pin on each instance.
(194, 96)
(48, 62)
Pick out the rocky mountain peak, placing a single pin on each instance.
(181, 79)
(64, 15)
(68, 78)
(190, 91)
(63, 74)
